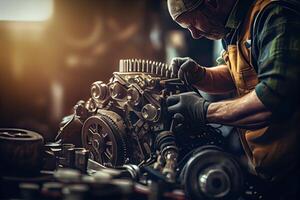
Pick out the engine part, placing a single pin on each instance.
(168, 151)
(67, 155)
(118, 92)
(21, 152)
(149, 112)
(133, 96)
(99, 91)
(133, 171)
(70, 128)
(81, 159)
(104, 136)
(212, 174)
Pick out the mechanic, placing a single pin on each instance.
(260, 64)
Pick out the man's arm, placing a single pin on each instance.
(276, 47)
(245, 112)
(216, 80)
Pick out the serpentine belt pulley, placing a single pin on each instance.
(104, 135)
(212, 174)
(21, 152)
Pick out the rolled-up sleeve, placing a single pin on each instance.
(278, 60)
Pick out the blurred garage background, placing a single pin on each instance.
(52, 50)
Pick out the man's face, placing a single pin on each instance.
(201, 24)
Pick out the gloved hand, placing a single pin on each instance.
(192, 106)
(187, 70)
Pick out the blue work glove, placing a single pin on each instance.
(187, 70)
(192, 106)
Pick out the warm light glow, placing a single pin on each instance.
(25, 10)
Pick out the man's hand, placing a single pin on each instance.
(187, 70)
(192, 106)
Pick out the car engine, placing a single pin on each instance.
(121, 120)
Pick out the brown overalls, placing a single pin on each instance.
(271, 150)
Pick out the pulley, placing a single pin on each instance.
(212, 174)
(104, 135)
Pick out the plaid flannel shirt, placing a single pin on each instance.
(275, 51)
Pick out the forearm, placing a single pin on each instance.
(216, 80)
(245, 112)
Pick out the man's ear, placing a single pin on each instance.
(212, 3)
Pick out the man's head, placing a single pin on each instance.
(203, 18)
